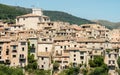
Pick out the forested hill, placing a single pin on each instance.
(10, 12)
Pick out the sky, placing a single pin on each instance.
(88, 9)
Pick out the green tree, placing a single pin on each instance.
(5, 70)
(55, 66)
(96, 62)
(118, 62)
(32, 63)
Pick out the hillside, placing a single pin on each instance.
(108, 24)
(10, 12)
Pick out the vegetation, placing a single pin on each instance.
(108, 24)
(100, 71)
(32, 68)
(5, 70)
(32, 63)
(99, 67)
(97, 62)
(65, 17)
(71, 71)
(55, 66)
(9, 13)
(118, 62)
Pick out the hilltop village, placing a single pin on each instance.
(57, 41)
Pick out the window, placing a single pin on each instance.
(23, 43)
(109, 55)
(82, 57)
(115, 55)
(42, 58)
(113, 62)
(14, 47)
(33, 45)
(23, 18)
(64, 47)
(68, 45)
(82, 62)
(74, 59)
(0, 57)
(74, 45)
(7, 52)
(14, 56)
(74, 55)
(42, 66)
(46, 49)
(22, 48)
(17, 19)
(60, 46)
(0, 48)
(81, 53)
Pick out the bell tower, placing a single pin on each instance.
(37, 11)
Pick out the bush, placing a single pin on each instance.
(4, 70)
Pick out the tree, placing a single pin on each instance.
(55, 66)
(96, 62)
(118, 62)
(32, 63)
(99, 71)
(5, 70)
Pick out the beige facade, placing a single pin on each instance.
(30, 21)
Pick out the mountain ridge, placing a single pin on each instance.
(10, 12)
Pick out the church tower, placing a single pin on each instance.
(37, 11)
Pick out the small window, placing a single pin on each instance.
(46, 49)
(23, 43)
(109, 55)
(113, 62)
(74, 45)
(0, 57)
(14, 56)
(23, 18)
(42, 58)
(74, 55)
(7, 52)
(82, 57)
(0, 48)
(74, 59)
(82, 62)
(42, 66)
(14, 47)
(33, 45)
(22, 48)
(86, 43)
(60, 46)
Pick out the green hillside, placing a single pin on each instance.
(108, 24)
(10, 12)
